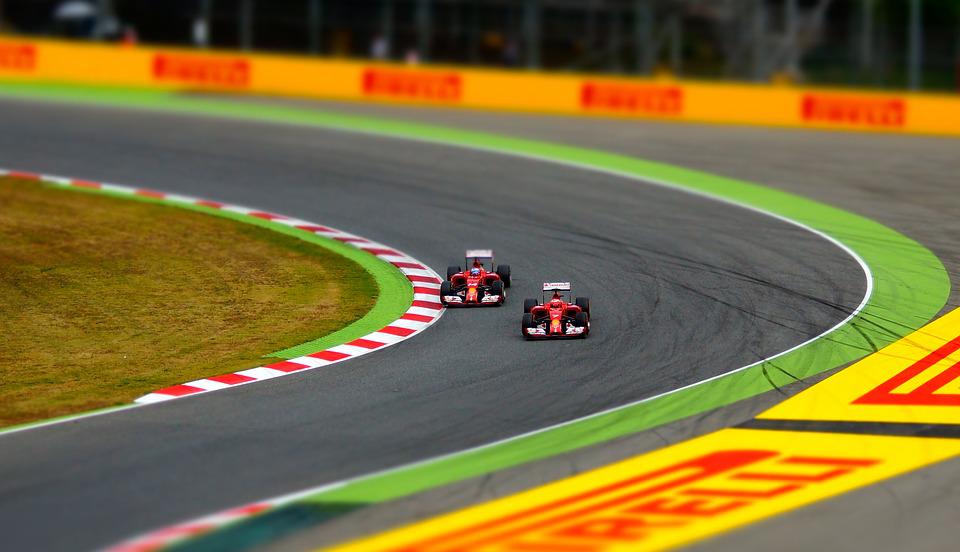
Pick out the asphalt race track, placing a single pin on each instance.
(905, 182)
(683, 288)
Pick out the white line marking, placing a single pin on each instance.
(430, 285)
(351, 350)
(310, 361)
(386, 338)
(261, 373)
(398, 259)
(416, 272)
(409, 324)
(207, 384)
(422, 311)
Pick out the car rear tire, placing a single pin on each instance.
(584, 304)
(529, 304)
(452, 271)
(446, 288)
(496, 288)
(503, 271)
(526, 322)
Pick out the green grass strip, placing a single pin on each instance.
(910, 283)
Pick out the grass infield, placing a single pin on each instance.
(105, 299)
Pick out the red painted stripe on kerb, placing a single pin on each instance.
(408, 265)
(351, 240)
(208, 203)
(314, 228)
(329, 355)
(23, 175)
(249, 509)
(286, 366)
(266, 216)
(150, 193)
(427, 305)
(232, 379)
(417, 317)
(426, 290)
(381, 251)
(179, 390)
(366, 343)
(425, 279)
(397, 330)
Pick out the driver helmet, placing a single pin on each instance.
(555, 303)
(474, 271)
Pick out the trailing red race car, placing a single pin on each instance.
(556, 318)
(481, 284)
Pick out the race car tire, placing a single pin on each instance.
(583, 320)
(446, 288)
(452, 271)
(529, 304)
(526, 322)
(583, 303)
(496, 288)
(503, 271)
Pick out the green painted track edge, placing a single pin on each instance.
(910, 283)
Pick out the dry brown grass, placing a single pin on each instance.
(105, 299)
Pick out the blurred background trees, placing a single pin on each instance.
(875, 43)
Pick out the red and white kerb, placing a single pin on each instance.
(424, 310)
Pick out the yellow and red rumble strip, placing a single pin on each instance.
(672, 496)
(424, 310)
(730, 478)
(915, 380)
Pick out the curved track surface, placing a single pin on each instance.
(905, 182)
(683, 288)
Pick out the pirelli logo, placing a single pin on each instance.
(202, 71)
(18, 57)
(854, 111)
(636, 509)
(631, 98)
(413, 85)
(933, 380)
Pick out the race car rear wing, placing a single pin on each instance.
(479, 254)
(482, 255)
(556, 286)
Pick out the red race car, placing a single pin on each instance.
(481, 284)
(556, 318)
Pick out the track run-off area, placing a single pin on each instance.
(686, 287)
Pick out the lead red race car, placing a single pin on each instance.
(556, 318)
(483, 283)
